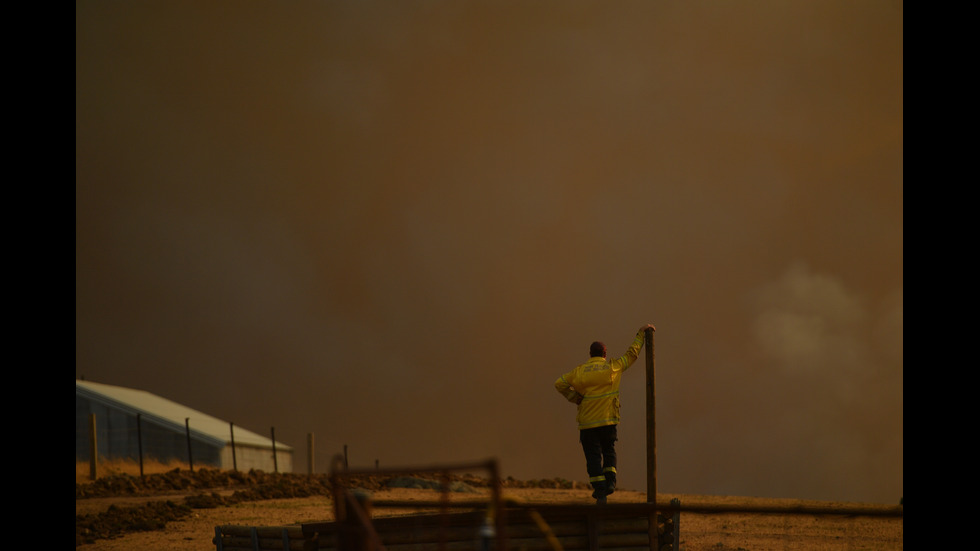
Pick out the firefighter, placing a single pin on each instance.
(594, 387)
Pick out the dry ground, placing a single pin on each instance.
(188, 507)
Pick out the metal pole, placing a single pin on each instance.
(651, 421)
(139, 439)
(309, 453)
(275, 460)
(653, 528)
(187, 429)
(93, 445)
(500, 521)
(234, 460)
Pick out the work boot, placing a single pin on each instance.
(610, 483)
(600, 491)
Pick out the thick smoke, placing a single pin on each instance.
(394, 225)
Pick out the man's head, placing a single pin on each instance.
(597, 350)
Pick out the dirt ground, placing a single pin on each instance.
(179, 510)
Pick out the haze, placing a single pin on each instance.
(395, 224)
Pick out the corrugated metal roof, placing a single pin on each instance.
(171, 413)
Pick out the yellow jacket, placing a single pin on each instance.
(594, 386)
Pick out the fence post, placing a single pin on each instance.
(139, 439)
(309, 453)
(651, 421)
(651, 440)
(93, 445)
(275, 460)
(234, 460)
(187, 429)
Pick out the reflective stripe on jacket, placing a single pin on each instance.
(597, 382)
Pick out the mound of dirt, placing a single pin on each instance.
(117, 521)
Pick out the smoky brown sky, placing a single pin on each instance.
(395, 224)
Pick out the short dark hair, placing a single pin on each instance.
(597, 349)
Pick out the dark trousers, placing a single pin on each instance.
(599, 445)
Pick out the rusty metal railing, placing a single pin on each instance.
(352, 512)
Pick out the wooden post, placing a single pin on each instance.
(346, 464)
(139, 439)
(651, 422)
(309, 453)
(187, 429)
(677, 524)
(93, 446)
(275, 460)
(234, 459)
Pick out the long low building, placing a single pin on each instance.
(129, 420)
